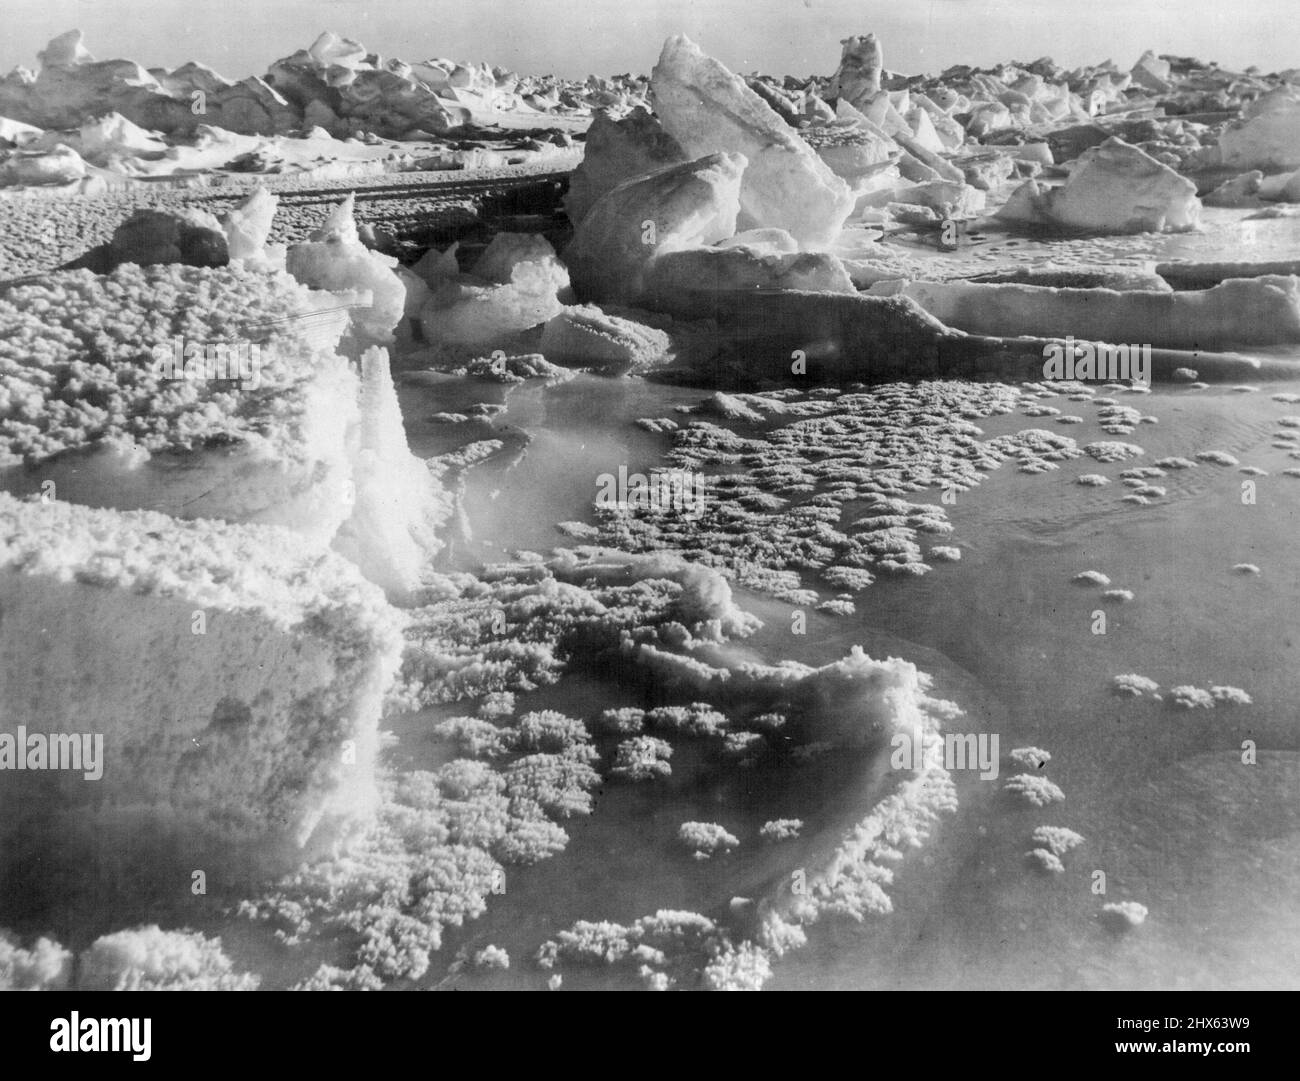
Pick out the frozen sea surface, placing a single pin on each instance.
(1169, 813)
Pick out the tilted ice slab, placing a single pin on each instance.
(1236, 313)
(263, 725)
(1113, 188)
(707, 109)
(92, 410)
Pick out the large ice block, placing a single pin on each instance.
(1240, 312)
(515, 286)
(209, 393)
(203, 393)
(1113, 188)
(1267, 136)
(857, 79)
(706, 109)
(617, 151)
(686, 206)
(234, 677)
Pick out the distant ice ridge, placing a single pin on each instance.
(335, 84)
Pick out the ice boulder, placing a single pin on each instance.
(947, 199)
(708, 109)
(686, 206)
(1113, 188)
(16, 133)
(857, 79)
(334, 258)
(1268, 135)
(1241, 191)
(264, 726)
(618, 150)
(584, 334)
(436, 267)
(331, 51)
(184, 235)
(1152, 73)
(988, 116)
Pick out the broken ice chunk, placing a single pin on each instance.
(690, 205)
(857, 79)
(1113, 188)
(502, 258)
(1238, 312)
(618, 151)
(334, 258)
(472, 310)
(1268, 135)
(687, 283)
(585, 334)
(248, 226)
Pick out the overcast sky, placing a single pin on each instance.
(575, 37)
